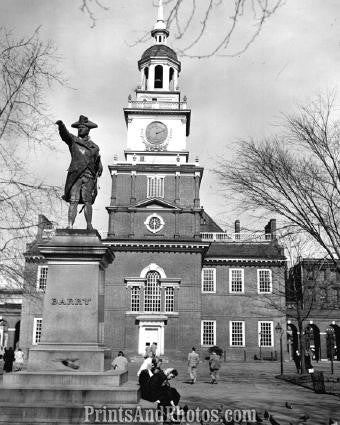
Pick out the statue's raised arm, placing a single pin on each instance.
(85, 168)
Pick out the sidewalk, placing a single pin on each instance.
(254, 386)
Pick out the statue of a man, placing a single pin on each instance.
(85, 168)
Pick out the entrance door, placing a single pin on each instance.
(150, 333)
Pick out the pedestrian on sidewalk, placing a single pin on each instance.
(8, 359)
(193, 362)
(297, 361)
(214, 366)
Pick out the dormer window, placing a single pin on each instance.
(158, 77)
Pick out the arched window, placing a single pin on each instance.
(152, 292)
(146, 78)
(159, 77)
(171, 79)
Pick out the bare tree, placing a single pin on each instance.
(295, 176)
(197, 25)
(28, 68)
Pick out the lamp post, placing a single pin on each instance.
(330, 335)
(279, 330)
(260, 343)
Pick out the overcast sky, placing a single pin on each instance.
(296, 56)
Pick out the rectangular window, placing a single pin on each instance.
(208, 280)
(37, 327)
(155, 187)
(236, 332)
(169, 299)
(236, 280)
(135, 298)
(265, 334)
(42, 278)
(208, 332)
(264, 281)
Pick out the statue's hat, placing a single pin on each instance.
(84, 121)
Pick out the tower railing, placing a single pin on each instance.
(147, 104)
(235, 237)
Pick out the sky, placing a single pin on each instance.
(295, 57)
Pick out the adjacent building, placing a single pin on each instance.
(316, 283)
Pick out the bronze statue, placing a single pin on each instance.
(85, 168)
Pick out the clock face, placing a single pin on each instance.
(156, 132)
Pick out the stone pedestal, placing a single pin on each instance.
(70, 366)
(73, 315)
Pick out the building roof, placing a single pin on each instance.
(270, 251)
(159, 50)
(208, 224)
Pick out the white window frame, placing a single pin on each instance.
(214, 330)
(135, 297)
(169, 299)
(155, 186)
(231, 333)
(40, 268)
(258, 281)
(271, 333)
(230, 281)
(214, 280)
(35, 325)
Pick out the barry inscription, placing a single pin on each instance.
(70, 301)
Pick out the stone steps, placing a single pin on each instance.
(42, 413)
(93, 395)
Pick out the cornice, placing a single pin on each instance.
(152, 168)
(223, 260)
(172, 246)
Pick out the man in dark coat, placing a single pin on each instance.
(85, 168)
(8, 359)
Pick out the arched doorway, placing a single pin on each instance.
(336, 343)
(312, 333)
(292, 339)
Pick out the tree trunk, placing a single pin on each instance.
(302, 347)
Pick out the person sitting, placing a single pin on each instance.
(144, 375)
(120, 363)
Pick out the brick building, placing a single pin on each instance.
(10, 313)
(317, 282)
(177, 279)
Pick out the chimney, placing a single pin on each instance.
(43, 223)
(270, 229)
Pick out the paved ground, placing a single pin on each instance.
(254, 386)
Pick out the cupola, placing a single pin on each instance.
(159, 65)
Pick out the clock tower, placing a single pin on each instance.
(155, 190)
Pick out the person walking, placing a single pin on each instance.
(297, 361)
(193, 362)
(148, 350)
(154, 349)
(120, 363)
(214, 366)
(8, 360)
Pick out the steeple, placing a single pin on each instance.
(160, 33)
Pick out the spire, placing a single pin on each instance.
(160, 17)
(160, 33)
